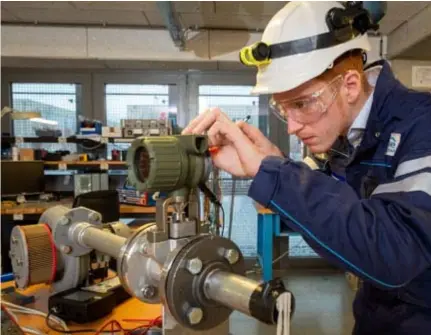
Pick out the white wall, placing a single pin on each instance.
(405, 70)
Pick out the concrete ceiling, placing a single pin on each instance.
(250, 15)
(242, 15)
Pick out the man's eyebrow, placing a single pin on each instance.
(303, 96)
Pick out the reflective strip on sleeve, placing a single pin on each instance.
(419, 182)
(413, 166)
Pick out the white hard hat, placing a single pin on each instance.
(303, 42)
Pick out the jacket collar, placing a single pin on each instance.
(381, 114)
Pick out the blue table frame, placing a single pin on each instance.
(268, 226)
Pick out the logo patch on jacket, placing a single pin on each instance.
(393, 144)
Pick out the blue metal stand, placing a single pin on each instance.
(268, 226)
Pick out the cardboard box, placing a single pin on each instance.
(112, 132)
(26, 154)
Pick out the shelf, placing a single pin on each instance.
(102, 165)
(70, 172)
(95, 139)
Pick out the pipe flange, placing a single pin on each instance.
(71, 271)
(132, 266)
(185, 290)
(64, 228)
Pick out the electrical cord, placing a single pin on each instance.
(223, 218)
(155, 322)
(11, 314)
(213, 198)
(50, 326)
(111, 323)
(232, 201)
(16, 309)
(91, 148)
(281, 256)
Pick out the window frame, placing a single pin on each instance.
(22, 76)
(177, 95)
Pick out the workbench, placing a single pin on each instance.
(130, 309)
(37, 208)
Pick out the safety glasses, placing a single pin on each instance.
(309, 109)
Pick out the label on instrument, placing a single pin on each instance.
(18, 217)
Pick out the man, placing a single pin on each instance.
(368, 209)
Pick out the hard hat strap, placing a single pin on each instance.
(312, 43)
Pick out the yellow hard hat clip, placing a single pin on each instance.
(257, 54)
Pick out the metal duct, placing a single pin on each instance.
(172, 23)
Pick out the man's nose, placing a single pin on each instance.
(293, 127)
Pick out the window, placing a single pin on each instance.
(237, 103)
(55, 102)
(299, 248)
(296, 148)
(135, 101)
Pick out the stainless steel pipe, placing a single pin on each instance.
(95, 238)
(230, 290)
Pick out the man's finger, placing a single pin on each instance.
(212, 116)
(214, 134)
(253, 133)
(191, 126)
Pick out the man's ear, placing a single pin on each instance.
(353, 85)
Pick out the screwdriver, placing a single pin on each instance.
(213, 150)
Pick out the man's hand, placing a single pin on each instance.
(239, 152)
(256, 136)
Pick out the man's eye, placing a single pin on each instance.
(299, 104)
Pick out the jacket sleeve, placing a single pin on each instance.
(385, 239)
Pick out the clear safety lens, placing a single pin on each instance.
(309, 109)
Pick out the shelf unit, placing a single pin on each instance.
(68, 168)
(80, 139)
(103, 165)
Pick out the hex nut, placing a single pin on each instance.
(194, 266)
(232, 256)
(195, 315)
(94, 217)
(64, 221)
(66, 249)
(148, 291)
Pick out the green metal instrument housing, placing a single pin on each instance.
(168, 163)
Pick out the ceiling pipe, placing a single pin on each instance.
(172, 22)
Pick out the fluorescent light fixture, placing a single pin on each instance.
(25, 115)
(16, 115)
(32, 116)
(44, 121)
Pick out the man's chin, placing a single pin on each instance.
(318, 148)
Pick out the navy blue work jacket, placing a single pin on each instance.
(374, 220)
